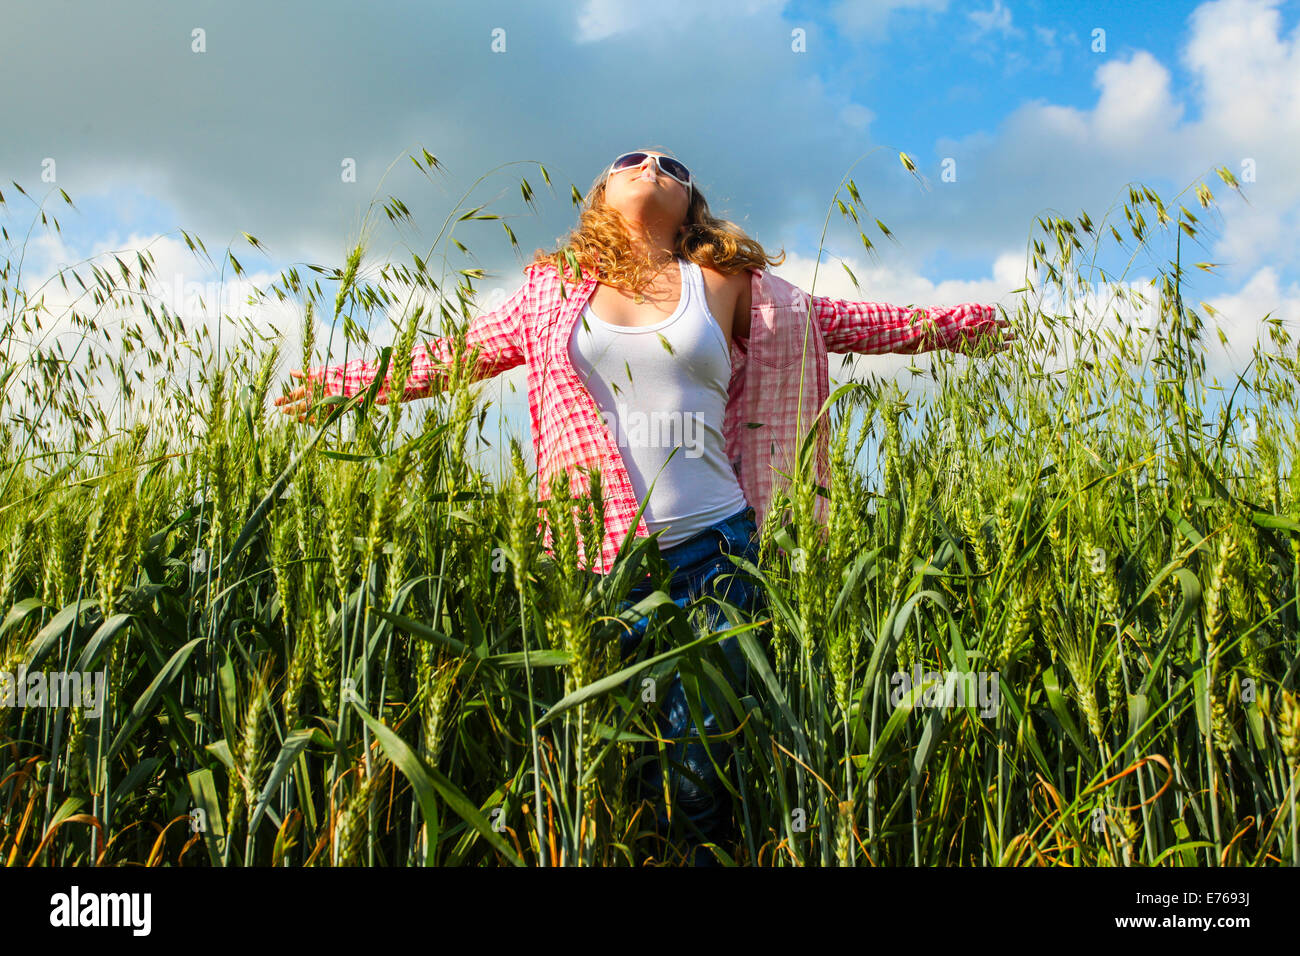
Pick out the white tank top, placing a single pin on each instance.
(655, 400)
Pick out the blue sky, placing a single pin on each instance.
(769, 102)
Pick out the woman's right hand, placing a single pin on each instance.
(295, 403)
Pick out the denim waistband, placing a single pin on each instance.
(731, 534)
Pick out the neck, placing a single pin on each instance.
(655, 242)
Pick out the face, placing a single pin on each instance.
(645, 194)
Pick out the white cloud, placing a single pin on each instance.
(1135, 110)
(996, 19)
(1248, 79)
(1135, 102)
(1248, 75)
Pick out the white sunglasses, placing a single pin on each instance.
(670, 167)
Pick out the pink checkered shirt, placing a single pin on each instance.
(776, 378)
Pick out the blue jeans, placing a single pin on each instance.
(698, 563)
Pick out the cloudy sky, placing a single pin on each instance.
(232, 117)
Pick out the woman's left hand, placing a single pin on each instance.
(296, 402)
(995, 335)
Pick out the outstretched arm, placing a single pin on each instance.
(498, 336)
(877, 327)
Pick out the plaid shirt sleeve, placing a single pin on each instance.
(498, 335)
(877, 327)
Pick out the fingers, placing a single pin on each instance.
(1002, 334)
(997, 339)
(295, 402)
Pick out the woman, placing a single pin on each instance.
(672, 363)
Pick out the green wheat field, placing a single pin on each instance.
(339, 643)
